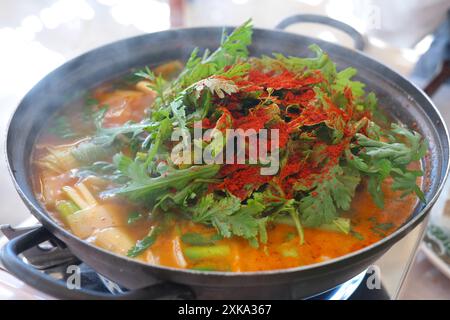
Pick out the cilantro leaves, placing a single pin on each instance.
(233, 48)
(145, 243)
(229, 217)
(322, 204)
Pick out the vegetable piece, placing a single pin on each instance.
(229, 217)
(58, 159)
(107, 136)
(207, 252)
(154, 85)
(378, 160)
(357, 235)
(398, 153)
(85, 222)
(113, 239)
(145, 243)
(343, 81)
(52, 187)
(89, 151)
(205, 268)
(218, 86)
(145, 86)
(300, 64)
(133, 217)
(66, 208)
(75, 197)
(87, 195)
(62, 128)
(162, 133)
(198, 239)
(80, 195)
(172, 255)
(341, 225)
(298, 226)
(320, 206)
(178, 253)
(232, 48)
(288, 251)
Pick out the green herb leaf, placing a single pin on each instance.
(343, 81)
(198, 239)
(145, 243)
(379, 160)
(134, 217)
(320, 206)
(62, 128)
(229, 217)
(143, 188)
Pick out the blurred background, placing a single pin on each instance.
(411, 37)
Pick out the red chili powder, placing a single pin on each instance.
(285, 80)
(242, 180)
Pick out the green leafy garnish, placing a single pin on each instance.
(322, 204)
(143, 187)
(379, 160)
(198, 239)
(62, 128)
(134, 216)
(145, 243)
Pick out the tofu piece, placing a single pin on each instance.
(85, 222)
(113, 239)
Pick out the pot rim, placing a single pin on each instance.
(64, 235)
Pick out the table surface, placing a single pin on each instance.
(41, 35)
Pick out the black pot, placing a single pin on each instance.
(400, 98)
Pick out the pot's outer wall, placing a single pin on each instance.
(396, 95)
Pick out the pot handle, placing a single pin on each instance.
(358, 39)
(10, 257)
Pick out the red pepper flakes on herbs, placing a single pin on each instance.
(285, 80)
(225, 121)
(305, 175)
(292, 166)
(252, 121)
(248, 86)
(283, 133)
(242, 180)
(232, 103)
(309, 117)
(301, 98)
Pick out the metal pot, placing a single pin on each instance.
(400, 98)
